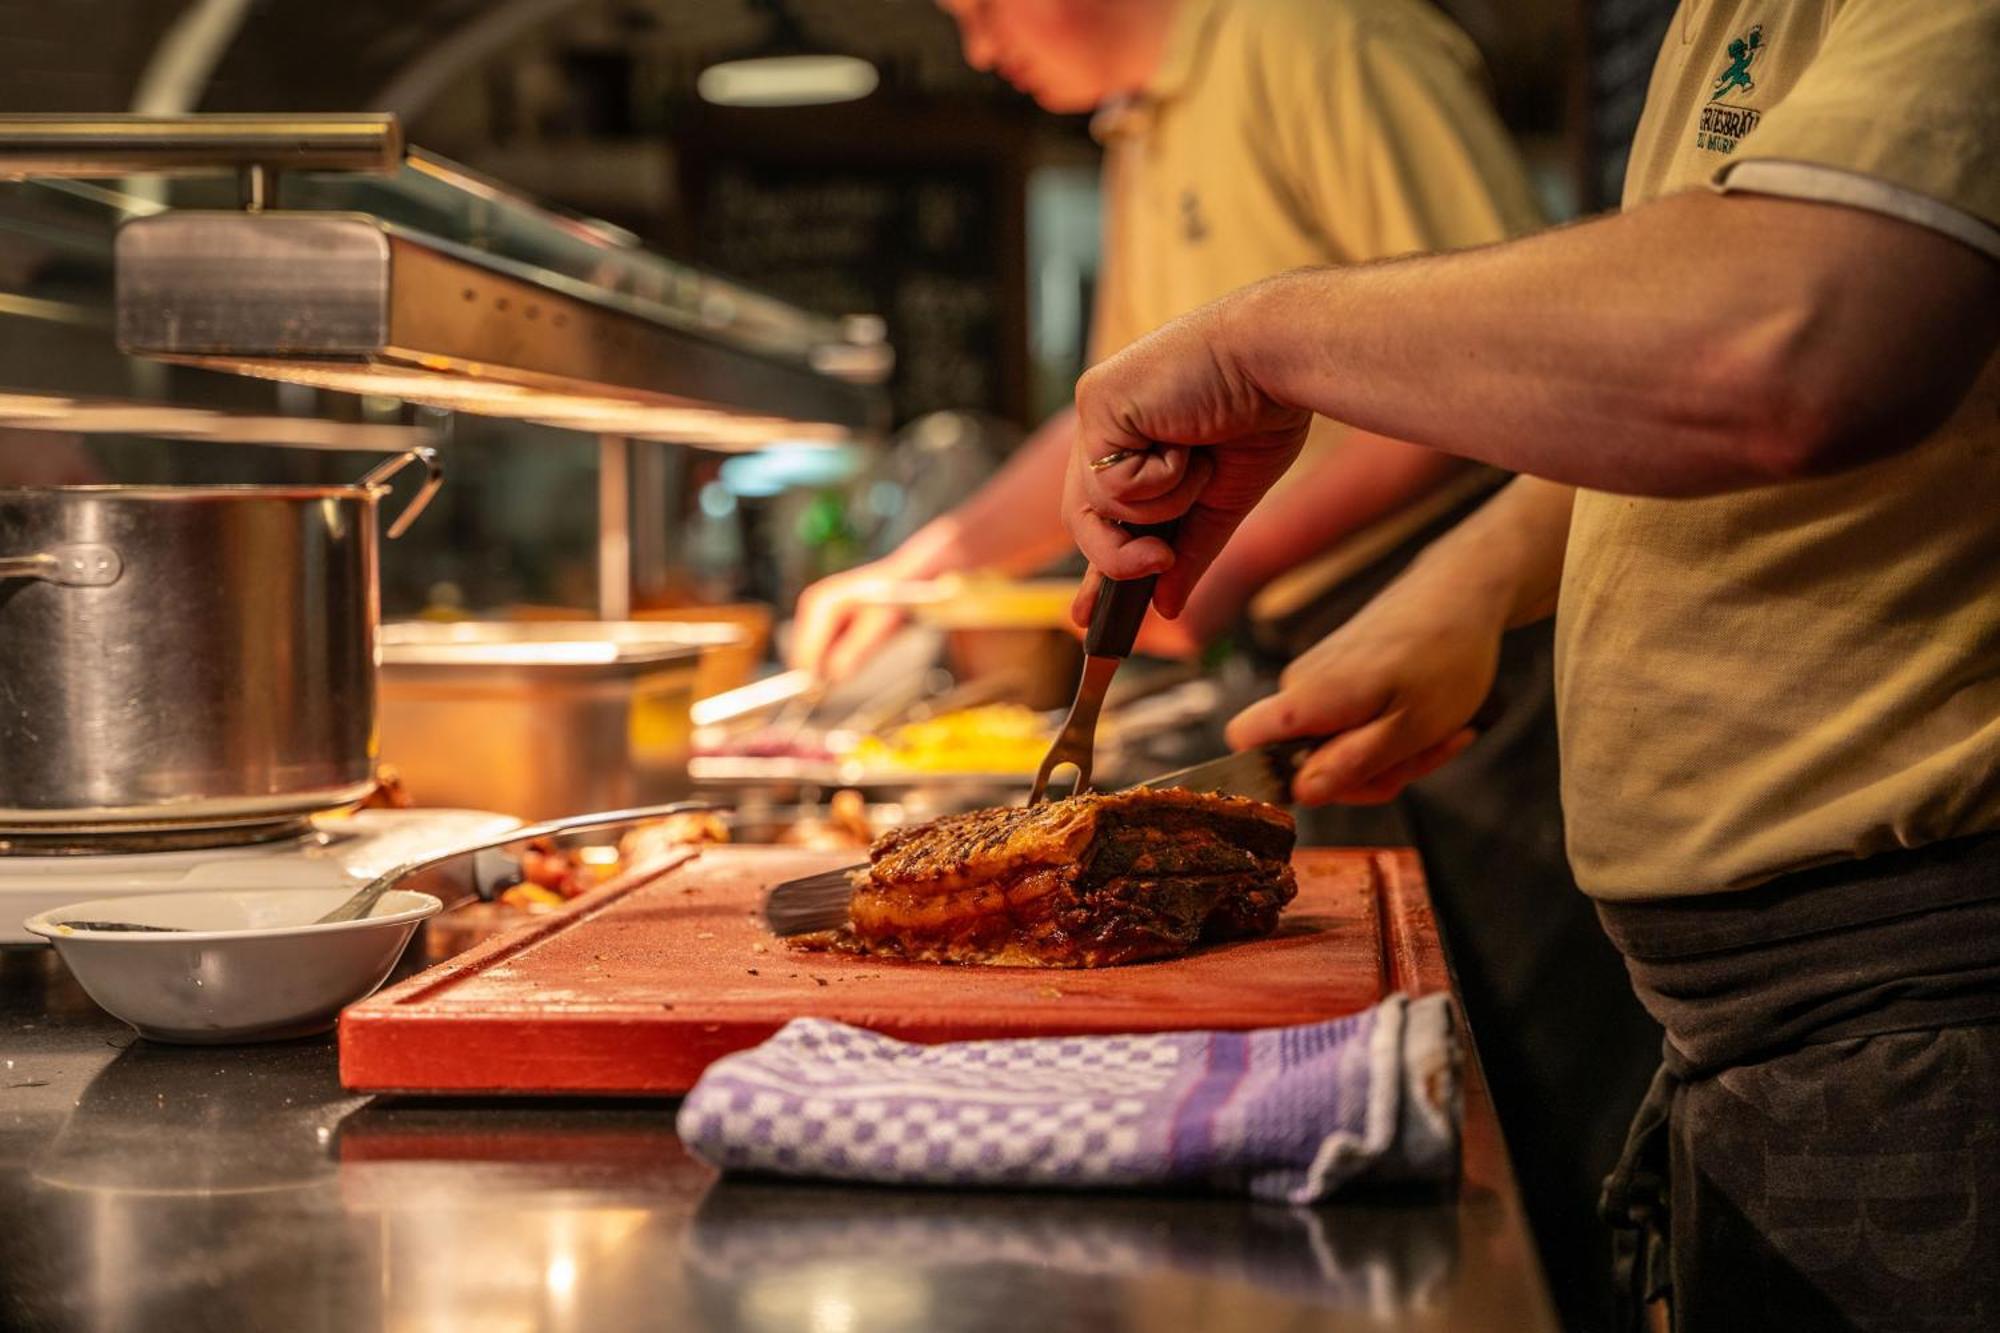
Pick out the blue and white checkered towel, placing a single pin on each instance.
(1288, 1114)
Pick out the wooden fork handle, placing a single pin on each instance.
(1121, 603)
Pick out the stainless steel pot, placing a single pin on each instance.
(541, 719)
(178, 657)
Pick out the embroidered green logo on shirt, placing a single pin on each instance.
(1722, 125)
(1743, 53)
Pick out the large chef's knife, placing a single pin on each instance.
(819, 902)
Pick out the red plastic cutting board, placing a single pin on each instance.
(636, 988)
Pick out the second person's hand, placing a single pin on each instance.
(1395, 689)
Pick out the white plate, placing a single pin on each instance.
(247, 965)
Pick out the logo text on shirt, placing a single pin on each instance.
(1722, 126)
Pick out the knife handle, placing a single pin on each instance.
(1287, 756)
(1121, 603)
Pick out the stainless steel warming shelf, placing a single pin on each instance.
(578, 328)
(353, 303)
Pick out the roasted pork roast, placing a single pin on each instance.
(1084, 882)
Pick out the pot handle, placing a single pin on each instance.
(376, 483)
(79, 565)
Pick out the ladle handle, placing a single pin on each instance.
(377, 483)
(364, 899)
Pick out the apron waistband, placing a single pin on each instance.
(1806, 902)
(1891, 943)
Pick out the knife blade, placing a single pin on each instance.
(1263, 773)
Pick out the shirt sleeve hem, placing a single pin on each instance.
(1820, 183)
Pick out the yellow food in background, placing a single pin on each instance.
(992, 738)
(532, 898)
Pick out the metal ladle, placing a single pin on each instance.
(362, 901)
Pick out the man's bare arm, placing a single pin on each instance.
(1701, 343)
(1698, 344)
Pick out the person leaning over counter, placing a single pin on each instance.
(1760, 408)
(1241, 138)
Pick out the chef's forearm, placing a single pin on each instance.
(1701, 343)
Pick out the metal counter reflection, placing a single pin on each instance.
(762, 1255)
(597, 1213)
(177, 1182)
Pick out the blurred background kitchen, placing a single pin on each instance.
(698, 330)
(938, 201)
(895, 254)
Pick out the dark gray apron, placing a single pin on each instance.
(1821, 1145)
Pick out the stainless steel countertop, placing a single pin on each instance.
(160, 1188)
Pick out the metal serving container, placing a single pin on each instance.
(541, 719)
(187, 657)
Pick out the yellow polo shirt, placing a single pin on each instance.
(1284, 133)
(1756, 683)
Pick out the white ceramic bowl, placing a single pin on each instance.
(246, 965)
